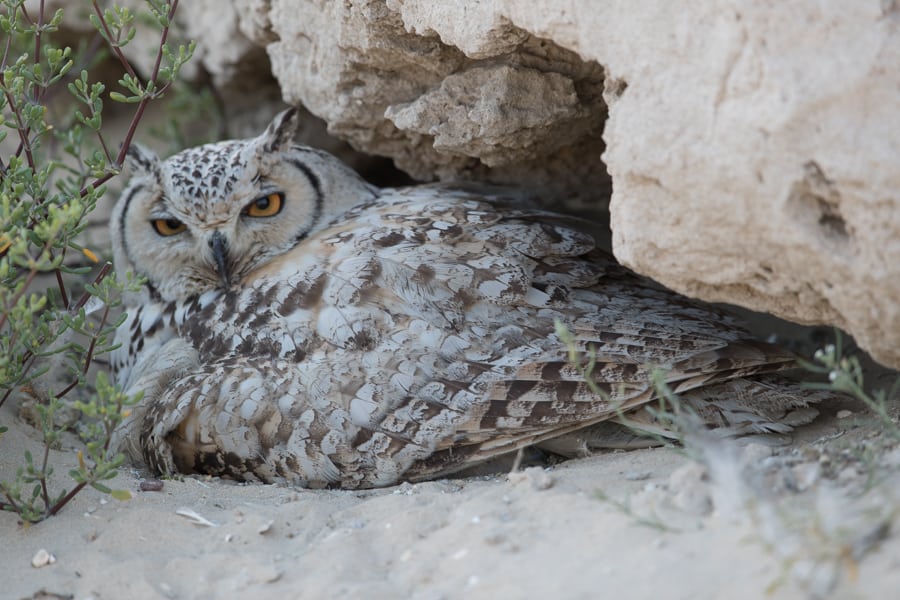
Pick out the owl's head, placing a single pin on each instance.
(208, 216)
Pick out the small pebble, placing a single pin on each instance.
(151, 485)
(754, 454)
(844, 414)
(536, 476)
(267, 574)
(494, 537)
(691, 490)
(806, 475)
(405, 489)
(847, 475)
(892, 458)
(265, 527)
(42, 558)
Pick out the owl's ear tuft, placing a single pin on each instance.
(281, 131)
(141, 161)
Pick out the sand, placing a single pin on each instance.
(793, 521)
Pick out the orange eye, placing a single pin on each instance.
(167, 227)
(267, 206)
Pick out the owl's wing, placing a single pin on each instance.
(486, 290)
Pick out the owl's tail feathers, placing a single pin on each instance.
(763, 404)
(762, 409)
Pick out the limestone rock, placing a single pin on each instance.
(389, 88)
(753, 153)
(771, 181)
(490, 113)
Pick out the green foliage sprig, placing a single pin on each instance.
(49, 184)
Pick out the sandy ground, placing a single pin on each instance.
(809, 519)
(795, 521)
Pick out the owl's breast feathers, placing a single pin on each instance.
(415, 335)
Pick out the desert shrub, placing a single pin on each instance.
(56, 162)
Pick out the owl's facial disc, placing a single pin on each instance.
(210, 217)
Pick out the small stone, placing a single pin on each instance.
(265, 527)
(460, 554)
(754, 454)
(42, 558)
(806, 475)
(268, 574)
(844, 414)
(892, 458)
(151, 485)
(252, 574)
(847, 475)
(405, 489)
(692, 492)
(536, 476)
(494, 537)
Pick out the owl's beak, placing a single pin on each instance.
(219, 246)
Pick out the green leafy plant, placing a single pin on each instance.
(49, 184)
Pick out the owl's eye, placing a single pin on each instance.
(266, 206)
(167, 227)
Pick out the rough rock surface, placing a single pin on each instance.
(772, 180)
(494, 114)
(752, 153)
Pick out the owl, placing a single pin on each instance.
(300, 325)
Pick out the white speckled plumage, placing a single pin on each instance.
(365, 336)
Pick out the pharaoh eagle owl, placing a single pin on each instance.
(298, 324)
